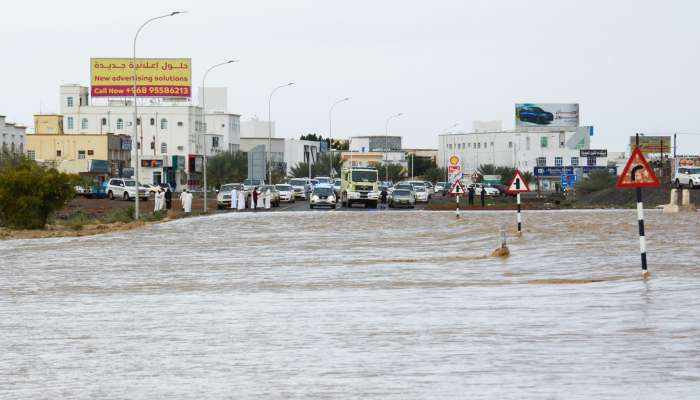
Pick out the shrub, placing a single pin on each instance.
(119, 215)
(29, 193)
(595, 181)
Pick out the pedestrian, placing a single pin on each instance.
(234, 198)
(186, 201)
(254, 203)
(268, 199)
(483, 197)
(384, 194)
(162, 200)
(168, 198)
(470, 189)
(156, 200)
(241, 199)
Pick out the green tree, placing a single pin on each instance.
(320, 168)
(435, 174)
(396, 172)
(420, 164)
(227, 167)
(29, 193)
(595, 181)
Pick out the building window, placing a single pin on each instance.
(84, 123)
(179, 123)
(544, 142)
(449, 146)
(541, 161)
(69, 122)
(91, 152)
(81, 154)
(574, 161)
(215, 141)
(180, 148)
(69, 101)
(120, 123)
(469, 145)
(491, 144)
(138, 121)
(562, 140)
(58, 153)
(592, 161)
(104, 121)
(558, 161)
(153, 121)
(479, 144)
(163, 148)
(163, 123)
(510, 145)
(31, 154)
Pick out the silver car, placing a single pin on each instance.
(286, 193)
(402, 198)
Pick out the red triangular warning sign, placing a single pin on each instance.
(518, 184)
(637, 173)
(457, 188)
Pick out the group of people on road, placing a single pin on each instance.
(162, 199)
(258, 200)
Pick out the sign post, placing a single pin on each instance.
(456, 190)
(518, 185)
(638, 174)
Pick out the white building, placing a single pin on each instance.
(286, 153)
(535, 150)
(172, 136)
(13, 135)
(255, 128)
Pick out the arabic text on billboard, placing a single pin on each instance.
(546, 114)
(155, 77)
(652, 144)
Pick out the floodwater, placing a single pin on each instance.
(385, 305)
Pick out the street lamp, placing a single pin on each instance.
(135, 134)
(386, 144)
(444, 149)
(204, 125)
(330, 135)
(269, 131)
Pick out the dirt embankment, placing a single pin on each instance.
(63, 231)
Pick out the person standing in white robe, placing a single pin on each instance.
(156, 200)
(268, 198)
(162, 200)
(186, 201)
(241, 200)
(234, 198)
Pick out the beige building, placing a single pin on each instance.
(103, 154)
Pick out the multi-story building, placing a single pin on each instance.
(169, 132)
(255, 128)
(13, 136)
(93, 155)
(547, 152)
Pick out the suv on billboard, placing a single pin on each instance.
(687, 172)
(535, 115)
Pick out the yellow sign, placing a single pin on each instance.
(454, 160)
(155, 77)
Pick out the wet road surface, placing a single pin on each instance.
(386, 305)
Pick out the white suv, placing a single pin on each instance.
(120, 188)
(687, 176)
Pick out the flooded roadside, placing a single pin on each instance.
(350, 304)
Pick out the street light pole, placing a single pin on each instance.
(135, 138)
(269, 132)
(204, 126)
(386, 144)
(330, 135)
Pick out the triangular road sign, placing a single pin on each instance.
(457, 189)
(637, 173)
(518, 184)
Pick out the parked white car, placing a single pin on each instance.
(687, 176)
(122, 188)
(489, 191)
(301, 187)
(286, 193)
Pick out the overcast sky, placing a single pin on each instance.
(632, 65)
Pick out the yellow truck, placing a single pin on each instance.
(359, 186)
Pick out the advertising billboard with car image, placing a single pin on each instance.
(546, 114)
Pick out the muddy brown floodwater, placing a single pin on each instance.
(384, 305)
